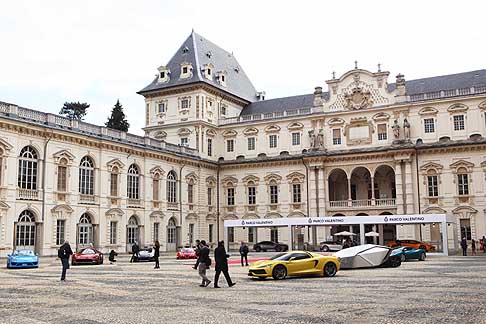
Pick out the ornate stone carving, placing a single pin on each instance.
(358, 99)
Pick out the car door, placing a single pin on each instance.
(301, 263)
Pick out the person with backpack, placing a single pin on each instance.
(111, 256)
(204, 262)
(244, 253)
(64, 253)
(135, 251)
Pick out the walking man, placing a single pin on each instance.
(197, 250)
(221, 259)
(203, 262)
(244, 253)
(464, 246)
(135, 251)
(156, 254)
(64, 253)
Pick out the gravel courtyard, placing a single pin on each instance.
(439, 290)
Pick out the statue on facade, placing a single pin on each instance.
(406, 129)
(396, 130)
(320, 139)
(312, 139)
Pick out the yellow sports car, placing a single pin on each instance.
(295, 263)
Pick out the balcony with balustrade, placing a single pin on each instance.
(28, 194)
(353, 192)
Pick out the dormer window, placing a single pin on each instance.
(221, 76)
(163, 75)
(186, 70)
(209, 71)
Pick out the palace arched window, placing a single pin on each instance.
(85, 230)
(133, 182)
(25, 230)
(86, 176)
(28, 162)
(171, 187)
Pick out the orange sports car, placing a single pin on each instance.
(412, 243)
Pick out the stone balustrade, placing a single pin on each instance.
(362, 203)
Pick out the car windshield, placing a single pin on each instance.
(23, 252)
(187, 250)
(282, 257)
(88, 251)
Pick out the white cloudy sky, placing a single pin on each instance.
(99, 51)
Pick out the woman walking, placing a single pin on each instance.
(156, 254)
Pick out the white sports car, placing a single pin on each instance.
(367, 256)
(146, 254)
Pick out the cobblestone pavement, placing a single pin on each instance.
(439, 290)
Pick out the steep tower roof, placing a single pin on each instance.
(200, 53)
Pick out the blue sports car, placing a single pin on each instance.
(409, 253)
(22, 258)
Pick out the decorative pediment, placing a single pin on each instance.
(157, 215)
(428, 111)
(157, 170)
(457, 108)
(250, 216)
(434, 210)
(230, 133)
(336, 122)
(115, 212)
(191, 178)
(184, 131)
(273, 215)
(250, 131)
(62, 208)
(357, 98)
(483, 165)
(272, 177)
(296, 177)
(462, 164)
(211, 218)
(210, 133)
(6, 146)
(115, 163)
(381, 117)
(230, 217)
(229, 181)
(296, 214)
(431, 166)
(251, 178)
(191, 217)
(272, 128)
(4, 205)
(482, 106)
(211, 181)
(63, 154)
(464, 210)
(161, 135)
(295, 126)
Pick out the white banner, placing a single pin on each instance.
(338, 220)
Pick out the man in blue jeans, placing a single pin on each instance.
(64, 253)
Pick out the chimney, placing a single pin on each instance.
(261, 95)
(318, 100)
(401, 91)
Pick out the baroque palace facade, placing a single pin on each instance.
(214, 149)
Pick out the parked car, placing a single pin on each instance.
(269, 245)
(412, 243)
(186, 253)
(367, 256)
(22, 258)
(295, 263)
(409, 253)
(327, 246)
(87, 256)
(145, 254)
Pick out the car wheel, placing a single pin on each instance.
(279, 272)
(396, 262)
(258, 248)
(278, 248)
(422, 256)
(325, 248)
(101, 261)
(330, 269)
(403, 258)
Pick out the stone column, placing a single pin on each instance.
(399, 188)
(349, 192)
(373, 191)
(408, 192)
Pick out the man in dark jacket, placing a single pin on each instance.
(464, 246)
(135, 251)
(204, 262)
(244, 253)
(64, 253)
(221, 259)
(197, 250)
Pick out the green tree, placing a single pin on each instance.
(118, 120)
(74, 110)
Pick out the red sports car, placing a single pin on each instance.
(186, 253)
(87, 256)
